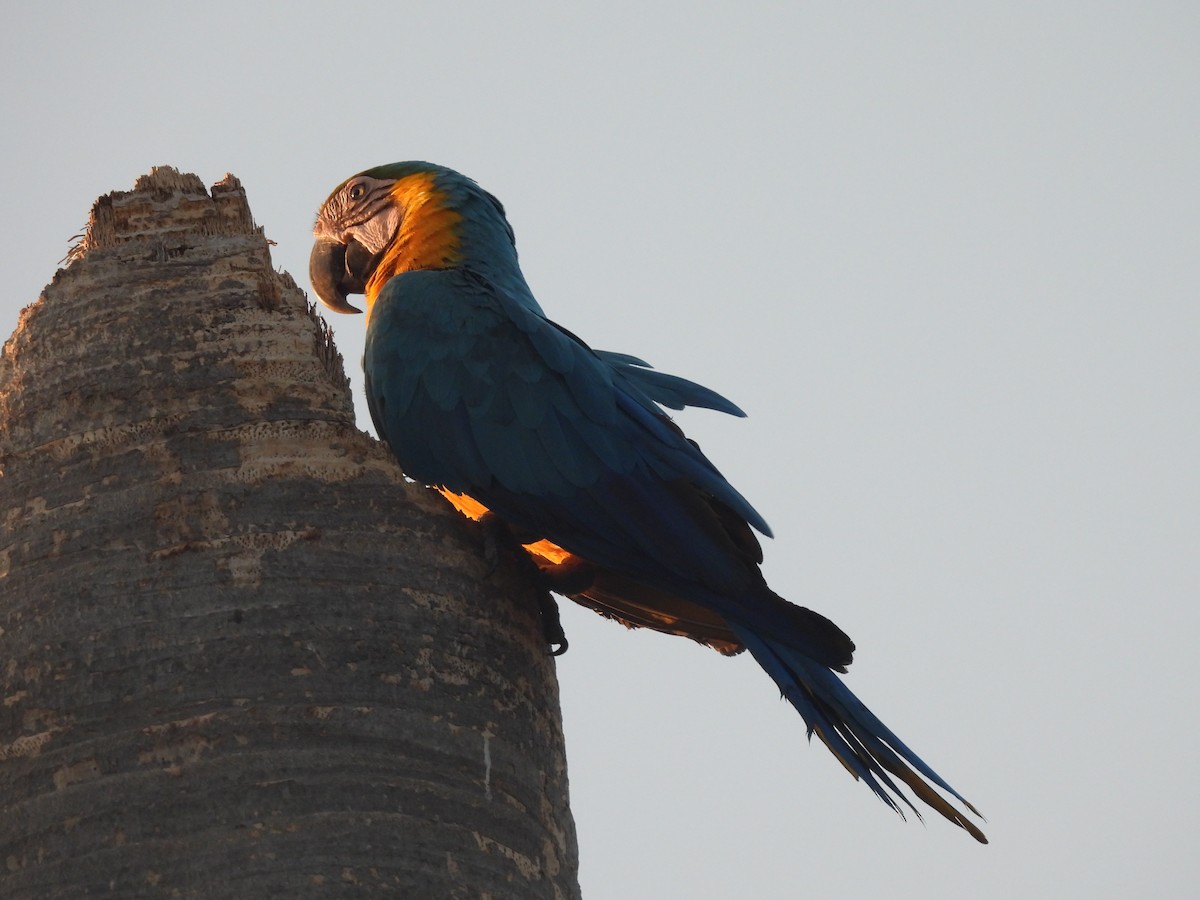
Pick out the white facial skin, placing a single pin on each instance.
(363, 210)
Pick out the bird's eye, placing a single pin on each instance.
(356, 192)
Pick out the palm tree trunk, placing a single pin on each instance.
(239, 655)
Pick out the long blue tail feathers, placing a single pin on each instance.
(868, 749)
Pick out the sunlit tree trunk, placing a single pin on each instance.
(239, 655)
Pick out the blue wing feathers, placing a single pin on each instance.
(540, 414)
(671, 391)
(534, 367)
(674, 392)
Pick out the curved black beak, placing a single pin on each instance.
(330, 276)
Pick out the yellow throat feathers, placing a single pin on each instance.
(427, 237)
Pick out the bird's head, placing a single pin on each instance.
(398, 218)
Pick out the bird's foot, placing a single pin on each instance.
(552, 630)
(499, 539)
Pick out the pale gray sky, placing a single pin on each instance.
(946, 255)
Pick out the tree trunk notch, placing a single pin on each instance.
(239, 655)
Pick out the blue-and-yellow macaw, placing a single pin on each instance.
(514, 418)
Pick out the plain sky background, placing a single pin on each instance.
(946, 255)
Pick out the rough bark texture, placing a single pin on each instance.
(239, 655)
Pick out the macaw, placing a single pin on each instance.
(517, 421)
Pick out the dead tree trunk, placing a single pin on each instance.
(239, 655)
